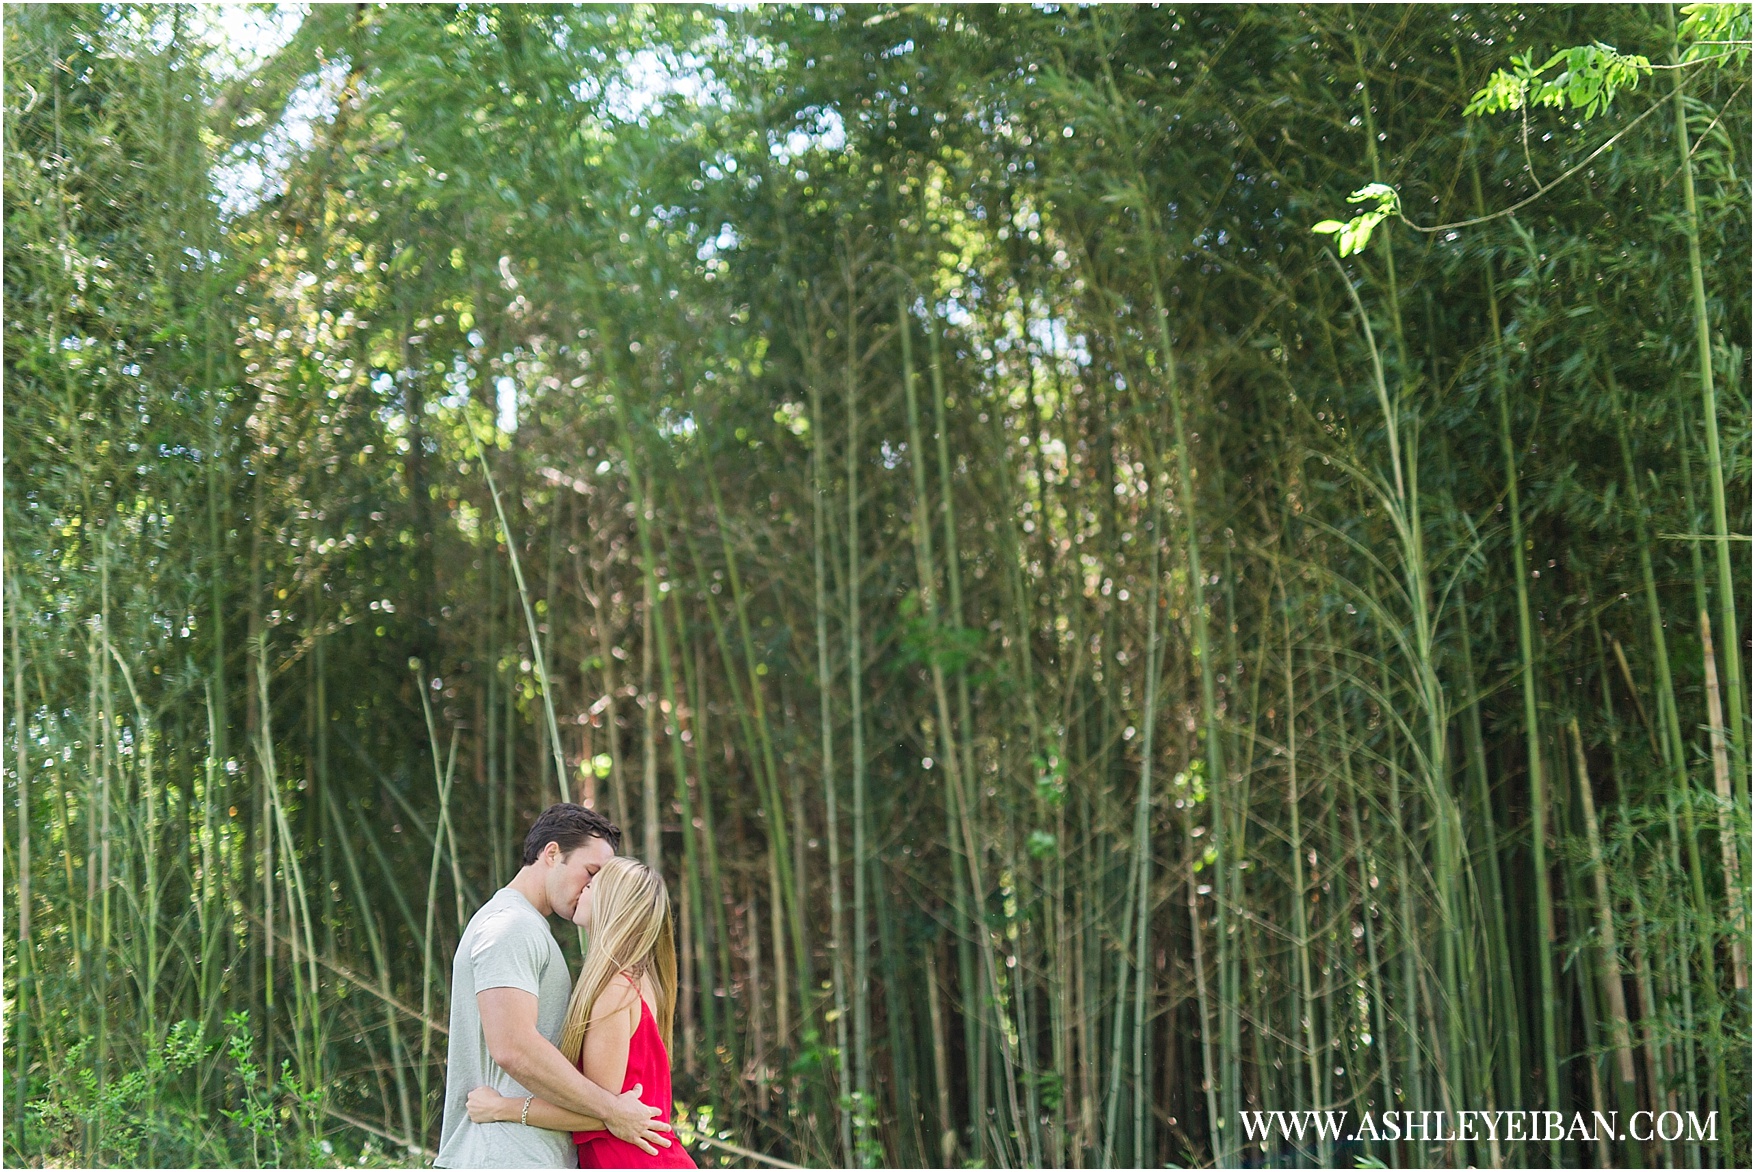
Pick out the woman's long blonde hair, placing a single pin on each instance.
(630, 925)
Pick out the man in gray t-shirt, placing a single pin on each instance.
(509, 991)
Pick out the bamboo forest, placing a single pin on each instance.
(1149, 575)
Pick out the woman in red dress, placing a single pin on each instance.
(619, 1019)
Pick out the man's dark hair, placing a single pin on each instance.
(569, 826)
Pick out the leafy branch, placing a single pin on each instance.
(1587, 83)
(1355, 234)
(1714, 25)
(1592, 76)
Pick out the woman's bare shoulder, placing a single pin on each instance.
(618, 996)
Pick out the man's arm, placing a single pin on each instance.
(508, 1021)
(487, 1105)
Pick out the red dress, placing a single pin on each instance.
(648, 1065)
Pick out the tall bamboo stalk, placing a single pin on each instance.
(1300, 919)
(548, 707)
(1721, 776)
(954, 781)
(695, 686)
(442, 782)
(1670, 745)
(1709, 408)
(861, 1092)
(26, 945)
(831, 784)
(1614, 996)
(1203, 650)
(787, 897)
(1527, 685)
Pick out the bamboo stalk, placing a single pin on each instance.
(1047, 764)
(548, 707)
(941, 1064)
(26, 943)
(1656, 1078)
(905, 1138)
(1721, 776)
(442, 780)
(954, 781)
(1203, 1000)
(490, 653)
(1671, 748)
(1503, 1001)
(209, 918)
(1142, 844)
(601, 602)
(105, 805)
(695, 688)
(648, 705)
(375, 941)
(1532, 733)
(1057, 944)
(861, 1093)
(1738, 745)
(1614, 996)
(721, 930)
(1300, 920)
(1679, 958)
(832, 818)
(144, 737)
(1197, 608)
(752, 940)
(787, 889)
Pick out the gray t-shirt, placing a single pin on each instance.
(507, 945)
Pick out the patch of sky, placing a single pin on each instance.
(244, 36)
(254, 170)
(457, 379)
(725, 241)
(506, 400)
(906, 46)
(952, 311)
(648, 76)
(1051, 335)
(759, 52)
(238, 38)
(819, 128)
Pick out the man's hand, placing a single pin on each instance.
(634, 1122)
(487, 1105)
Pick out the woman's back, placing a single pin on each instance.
(649, 1068)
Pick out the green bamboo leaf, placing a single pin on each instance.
(1355, 234)
(1717, 31)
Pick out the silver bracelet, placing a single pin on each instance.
(524, 1115)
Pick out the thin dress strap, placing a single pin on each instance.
(638, 991)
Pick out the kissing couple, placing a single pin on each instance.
(543, 1071)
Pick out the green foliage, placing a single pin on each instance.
(112, 1121)
(1355, 234)
(1716, 32)
(1590, 78)
(256, 1112)
(1050, 780)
